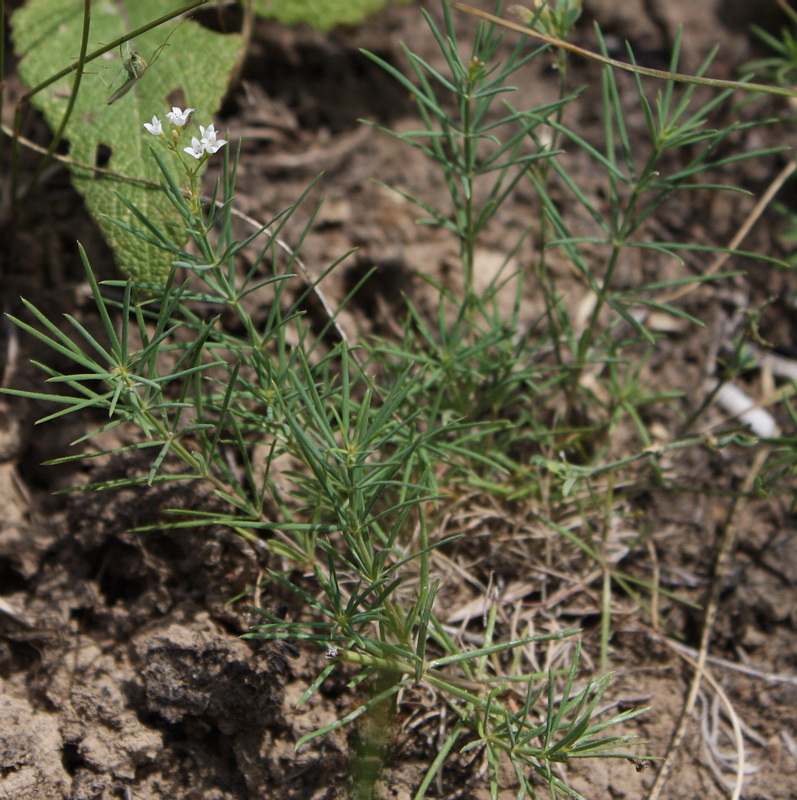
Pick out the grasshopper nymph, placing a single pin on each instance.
(135, 67)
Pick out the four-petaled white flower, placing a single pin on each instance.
(208, 143)
(154, 127)
(210, 139)
(197, 149)
(178, 117)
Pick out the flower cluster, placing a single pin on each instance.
(208, 143)
(200, 149)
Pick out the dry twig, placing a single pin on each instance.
(725, 549)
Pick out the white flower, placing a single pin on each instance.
(210, 139)
(154, 127)
(197, 149)
(178, 117)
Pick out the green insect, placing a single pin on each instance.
(135, 66)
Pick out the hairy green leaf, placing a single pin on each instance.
(320, 14)
(187, 65)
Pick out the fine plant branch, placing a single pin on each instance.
(349, 468)
(722, 566)
(59, 132)
(730, 711)
(716, 83)
(733, 666)
(761, 205)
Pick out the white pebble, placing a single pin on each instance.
(736, 403)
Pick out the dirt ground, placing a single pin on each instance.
(121, 671)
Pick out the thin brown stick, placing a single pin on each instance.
(722, 567)
(741, 234)
(738, 736)
(745, 669)
(623, 65)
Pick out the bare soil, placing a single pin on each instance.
(121, 671)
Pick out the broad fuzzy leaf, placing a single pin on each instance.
(191, 70)
(320, 14)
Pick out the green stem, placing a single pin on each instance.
(544, 275)
(56, 140)
(466, 233)
(587, 337)
(375, 735)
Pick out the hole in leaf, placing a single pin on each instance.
(176, 98)
(102, 155)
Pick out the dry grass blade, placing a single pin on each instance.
(621, 65)
(712, 727)
(766, 198)
(745, 669)
(722, 565)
